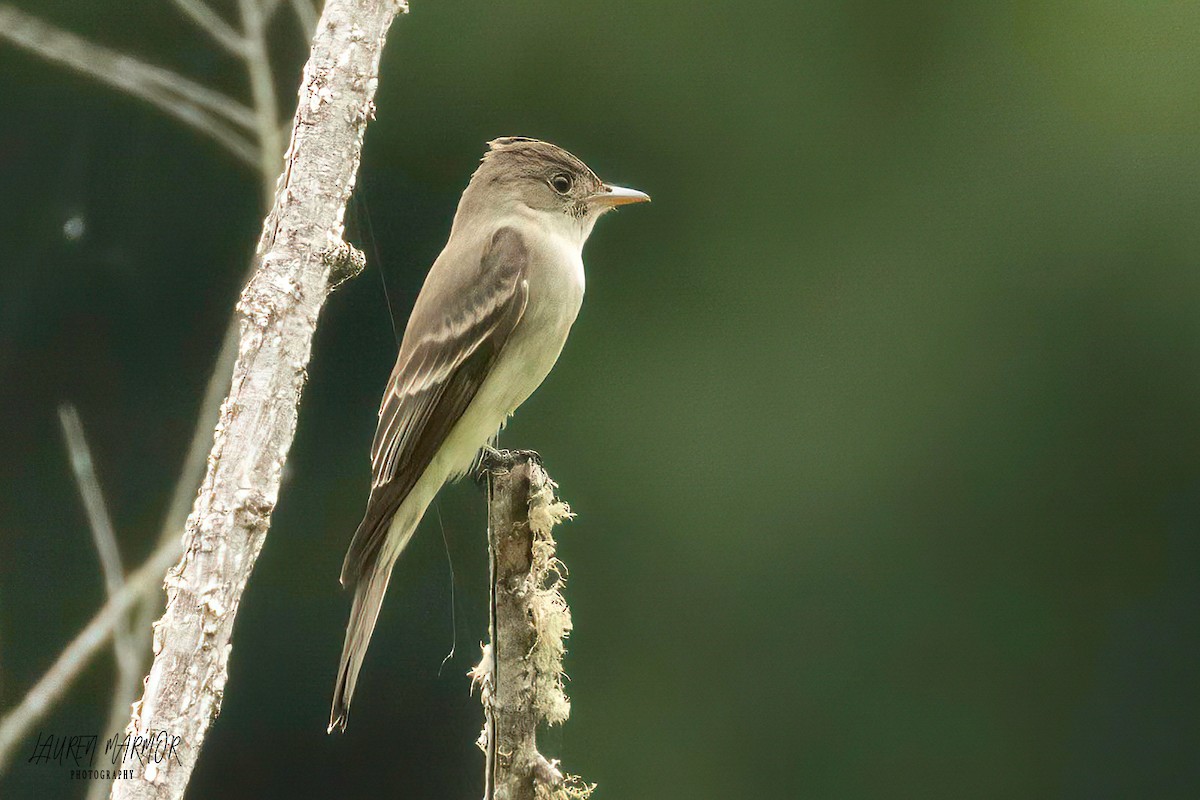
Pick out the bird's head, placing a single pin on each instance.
(545, 179)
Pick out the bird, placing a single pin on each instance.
(487, 326)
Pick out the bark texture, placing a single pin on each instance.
(299, 253)
(521, 671)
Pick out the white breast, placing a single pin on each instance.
(556, 284)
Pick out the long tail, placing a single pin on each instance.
(368, 597)
(371, 583)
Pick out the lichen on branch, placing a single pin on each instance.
(521, 673)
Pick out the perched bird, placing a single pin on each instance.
(488, 325)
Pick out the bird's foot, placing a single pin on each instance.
(532, 456)
(492, 460)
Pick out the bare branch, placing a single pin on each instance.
(198, 106)
(211, 23)
(278, 314)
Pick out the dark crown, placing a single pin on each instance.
(527, 156)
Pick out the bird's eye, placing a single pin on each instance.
(561, 183)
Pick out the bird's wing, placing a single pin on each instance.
(433, 383)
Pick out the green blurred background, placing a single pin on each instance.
(880, 422)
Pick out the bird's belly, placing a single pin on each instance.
(521, 367)
(555, 296)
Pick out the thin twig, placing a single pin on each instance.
(189, 91)
(197, 106)
(95, 61)
(306, 15)
(101, 526)
(262, 88)
(211, 23)
(41, 698)
(127, 642)
(140, 80)
(51, 686)
(65, 48)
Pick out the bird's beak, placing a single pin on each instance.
(610, 195)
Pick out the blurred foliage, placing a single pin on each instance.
(881, 421)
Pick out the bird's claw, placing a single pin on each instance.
(492, 460)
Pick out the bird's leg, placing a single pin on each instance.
(488, 461)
